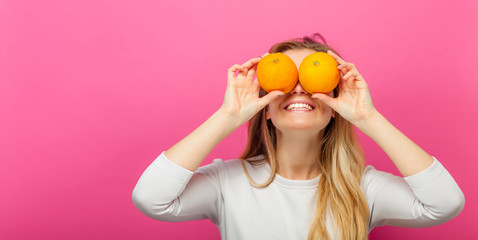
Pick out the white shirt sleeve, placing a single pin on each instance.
(428, 198)
(169, 192)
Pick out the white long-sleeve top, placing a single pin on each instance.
(221, 192)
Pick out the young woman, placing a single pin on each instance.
(302, 174)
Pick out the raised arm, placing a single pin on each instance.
(193, 149)
(427, 195)
(354, 103)
(241, 103)
(173, 187)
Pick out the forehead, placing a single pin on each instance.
(297, 55)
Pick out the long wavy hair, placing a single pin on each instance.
(341, 162)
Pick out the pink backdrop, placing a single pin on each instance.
(92, 91)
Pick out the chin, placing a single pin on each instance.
(299, 125)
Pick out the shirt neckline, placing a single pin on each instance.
(289, 183)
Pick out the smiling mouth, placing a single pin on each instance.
(299, 107)
(299, 110)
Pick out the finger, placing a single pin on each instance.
(329, 101)
(263, 101)
(346, 67)
(356, 74)
(336, 57)
(256, 85)
(359, 77)
(251, 63)
(348, 75)
(342, 83)
(349, 66)
(351, 81)
(352, 72)
(232, 71)
(254, 61)
(251, 72)
(342, 70)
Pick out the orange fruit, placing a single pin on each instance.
(277, 71)
(318, 73)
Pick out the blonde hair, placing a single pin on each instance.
(341, 162)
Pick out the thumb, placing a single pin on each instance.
(263, 101)
(330, 101)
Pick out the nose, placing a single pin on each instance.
(298, 89)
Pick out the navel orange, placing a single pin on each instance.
(318, 73)
(277, 71)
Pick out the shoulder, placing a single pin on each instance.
(373, 180)
(234, 167)
(374, 176)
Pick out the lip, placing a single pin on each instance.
(298, 100)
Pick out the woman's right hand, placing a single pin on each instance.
(241, 100)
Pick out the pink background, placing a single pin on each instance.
(91, 92)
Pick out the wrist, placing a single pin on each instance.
(232, 120)
(369, 121)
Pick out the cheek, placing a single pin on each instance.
(273, 107)
(326, 110)
(271, 111)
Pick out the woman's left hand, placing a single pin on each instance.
(354, 102)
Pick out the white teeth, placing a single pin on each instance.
(299, 106)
